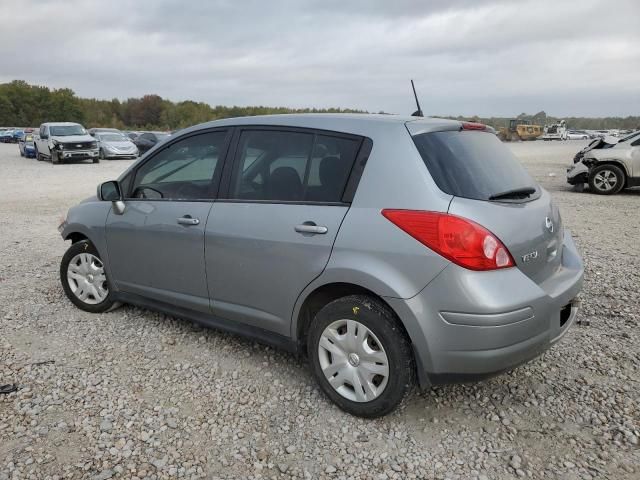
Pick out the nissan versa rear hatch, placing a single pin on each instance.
(490, 187)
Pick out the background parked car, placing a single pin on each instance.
(131, 134)
(6, 136)
(93, 131)
(148, 140)
(115, 145)
(27, 146)
(577, 135)
(62, 141)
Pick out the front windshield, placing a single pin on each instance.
(66, 130)
(630, 136)
(113, 137)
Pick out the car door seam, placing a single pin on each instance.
(204, 255)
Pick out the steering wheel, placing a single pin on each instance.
(148, 193)
(188, 190)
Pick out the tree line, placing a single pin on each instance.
(24, 105)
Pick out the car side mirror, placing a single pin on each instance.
(44, 137)
(111, 192)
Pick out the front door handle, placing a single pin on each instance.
(310, 227)
(188, 220)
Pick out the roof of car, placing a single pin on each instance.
(60, 124)
(334, 121)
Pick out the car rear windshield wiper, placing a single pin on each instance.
(515, 193)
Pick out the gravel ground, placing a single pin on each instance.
(135, 394)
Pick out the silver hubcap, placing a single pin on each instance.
(86, 278)
(353, 360)
(605, 180)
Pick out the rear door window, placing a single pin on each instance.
(293, 166)
(331, 164)
(473, 165)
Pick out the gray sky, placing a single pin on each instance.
(467, 57)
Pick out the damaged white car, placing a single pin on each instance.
(607, 164)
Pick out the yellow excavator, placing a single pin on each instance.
(519, 130)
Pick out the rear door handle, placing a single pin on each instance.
(310, 227)
(188, 220)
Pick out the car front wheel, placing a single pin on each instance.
(360, 356)
(84, 279)
(606, 179)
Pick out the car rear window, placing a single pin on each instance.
(470, 164)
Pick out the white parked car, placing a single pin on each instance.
(607, 166)
(577, 135)
(64, 141)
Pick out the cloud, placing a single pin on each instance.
(467, 57)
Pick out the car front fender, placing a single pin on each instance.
(592, 162)
(88, 219)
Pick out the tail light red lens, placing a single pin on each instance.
(473, 126)
(460, 240)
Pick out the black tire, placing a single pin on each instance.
(55, 159)
(77, 248)
(38, 156)
(101, 155)
(382, 322)
(612, 173)
(96, 160)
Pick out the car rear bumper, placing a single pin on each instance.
(467, 325)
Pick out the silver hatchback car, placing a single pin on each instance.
(387, 249)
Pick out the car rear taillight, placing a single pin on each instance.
(473, 126)
(460, 240)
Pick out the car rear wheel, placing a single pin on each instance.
(360, 356)
(84, 279)
(606, 179)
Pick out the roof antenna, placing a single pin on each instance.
(417, 113)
